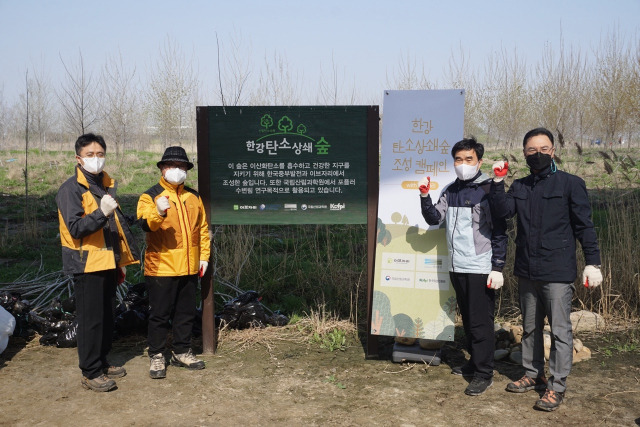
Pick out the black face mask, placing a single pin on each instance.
(539, 161)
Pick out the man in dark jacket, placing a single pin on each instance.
(96, 247)
(553, 211)
(477, 245)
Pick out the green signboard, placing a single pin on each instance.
(288, 165)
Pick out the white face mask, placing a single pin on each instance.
(93, 165)
(175, 175)
(466, 172)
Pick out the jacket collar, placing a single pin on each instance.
(107, 181)
(169, 186)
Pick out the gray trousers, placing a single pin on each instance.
(553, 300)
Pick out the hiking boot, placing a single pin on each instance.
(101, 383)
(114, 371)
(465, 370)
(550, 401)
(187, 360)
(526, 383)
(157, 368)
(477, 386)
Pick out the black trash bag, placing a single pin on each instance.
(7, 300)
(69, 305)
(39, 323)
(277, 319)
(55, 311)
(131, 322)
(21, 307)
(252, 315)
(69, 337)
(229, 320)
(49, 338)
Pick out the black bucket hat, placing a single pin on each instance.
(175, 154)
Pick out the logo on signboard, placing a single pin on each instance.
(284, 134)
(303, 207)
(337, 206)
(291, 206)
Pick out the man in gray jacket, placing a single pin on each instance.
(477, 249)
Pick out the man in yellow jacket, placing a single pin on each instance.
(96, 246)
(178, 249)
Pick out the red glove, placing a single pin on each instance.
(424, 185)
(500, 169)
(121, 275)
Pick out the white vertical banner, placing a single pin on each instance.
(412, 293)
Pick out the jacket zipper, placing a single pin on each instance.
(184, 221)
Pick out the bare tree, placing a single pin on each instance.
(460, 76)
(173, 85)
(277, 85)
(234, 69)
(331, 89)
(409, 76)
(119, 102)
(77, 98)
(505, 98)
(4, 118)
(611, 97)
(41, 102)
(557, 91)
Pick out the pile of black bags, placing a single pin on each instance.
(58, 327)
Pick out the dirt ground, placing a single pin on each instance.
(283, 382)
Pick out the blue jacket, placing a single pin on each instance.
(553, 211)
(477, 241)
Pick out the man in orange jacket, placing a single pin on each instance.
(178, 249)
(96, 247)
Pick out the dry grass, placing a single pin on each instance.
(305, 330)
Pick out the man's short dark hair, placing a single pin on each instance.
(536, 132)
(87, 139)
(468, 144)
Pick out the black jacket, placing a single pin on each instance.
(553, 211)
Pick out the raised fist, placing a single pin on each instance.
(108, 204)
(424, 185)
(162, 204)
(500, 170)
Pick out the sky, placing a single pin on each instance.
(365, 39)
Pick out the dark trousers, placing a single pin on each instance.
(477, 304)
(172, 305)
(95, 302)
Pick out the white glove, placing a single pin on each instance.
(591, 276)
(495, 280)
(162, 204)
(203, 268)
(108, 204)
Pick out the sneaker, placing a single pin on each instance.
(527, 383)
(101, 383)
(114, 371)
(478, 385)
(465, 370)
(550, 401)
(187, 360)
(157, 369)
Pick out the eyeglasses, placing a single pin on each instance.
(89, 155)
(543, 150)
